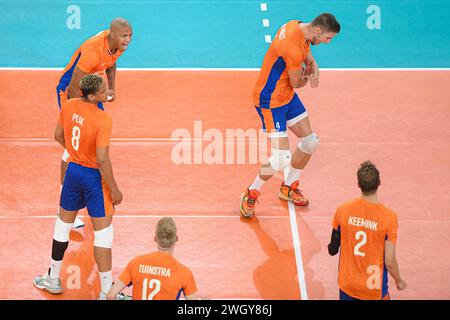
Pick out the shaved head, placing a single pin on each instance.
(120, 34)
(119, 23)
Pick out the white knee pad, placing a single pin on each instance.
(65, 156)
(62, 230)
(309, 143)
(104, 238)
(280, 159)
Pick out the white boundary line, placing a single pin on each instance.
(145, 216)
(297, 248)
(128, 140)
(226, 69)
(198, 216)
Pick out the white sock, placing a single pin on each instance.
(106, 281)
(292, 176)
(258, 183)
(55, 269)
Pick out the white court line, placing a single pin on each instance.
(128, 140)
(47, 140)
(225, 69)
(297, 249)
(312, 217)
(151, 216)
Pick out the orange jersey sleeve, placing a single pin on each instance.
(125, 276)
(392, 228)
(189, 285)
(294, 55)
(89, 59)
(104, 131)
(336, 221)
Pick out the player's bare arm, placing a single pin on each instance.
(105, 167)
(59, 135)
(197, 297)
(392, 264)
(111, 74)
(74, 86)
(296, 78)
(117, 287)
(312, 70)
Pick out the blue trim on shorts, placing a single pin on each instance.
(344, 296)
(275, 73)
(281, 115)
(83, 188)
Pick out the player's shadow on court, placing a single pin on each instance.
(276, 278)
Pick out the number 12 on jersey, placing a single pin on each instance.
(147, 284)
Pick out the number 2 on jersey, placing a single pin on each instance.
(154, 284)
(76, 132)
(363, 236)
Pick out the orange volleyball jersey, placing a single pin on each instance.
(364, 228)
(93, 55)
(158, 276)
(86, 127)
(287, 51)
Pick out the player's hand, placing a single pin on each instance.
(313, 71)
(401, 285)
(116, 197)
(110, 95)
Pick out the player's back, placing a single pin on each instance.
(86, 127)
(286, 52)
(364, 228)
(158, 276)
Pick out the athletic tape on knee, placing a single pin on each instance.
(62, 230)
(280, 159)
(309, 143)
(65, 156)
(104, 238)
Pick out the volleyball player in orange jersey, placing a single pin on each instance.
(158, 275)
(85, 131)
(280, 108)
(366, 232)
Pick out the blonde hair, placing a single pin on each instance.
(90, 84)
(166, 233)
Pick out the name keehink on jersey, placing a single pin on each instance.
(360, 222)
(156, 271)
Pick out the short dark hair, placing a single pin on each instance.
(368, 178)
(327, 22)
(90, 84)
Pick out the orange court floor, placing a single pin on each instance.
(397, 119)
